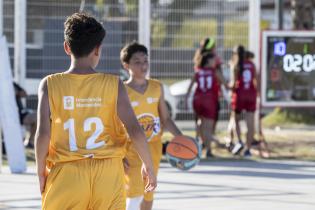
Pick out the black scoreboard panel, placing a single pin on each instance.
(288, 68)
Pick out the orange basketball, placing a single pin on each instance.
(183, 152)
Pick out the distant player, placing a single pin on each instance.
(243, 96)
(208, 45)
(147, 100)
(80, 138)
(206, 96)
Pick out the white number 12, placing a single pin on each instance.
(90, 144)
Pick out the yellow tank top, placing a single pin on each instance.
(146, 108)
(84, 121)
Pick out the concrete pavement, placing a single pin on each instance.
(219, 185)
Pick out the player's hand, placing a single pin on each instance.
(126, 165)
(149, 176)
(42, 181)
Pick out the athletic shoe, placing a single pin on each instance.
(247, 153)
(209, 154)
(229, 146)
(237, 148)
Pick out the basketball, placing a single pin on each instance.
(183, 152)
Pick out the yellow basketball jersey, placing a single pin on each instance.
(84, 120)
(146, 108)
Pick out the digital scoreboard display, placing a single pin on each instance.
(288, 69)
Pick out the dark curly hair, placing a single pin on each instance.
(83, 33)
(130, 49)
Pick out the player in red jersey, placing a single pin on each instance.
(208, 45)
(206, 96)
(243, 96)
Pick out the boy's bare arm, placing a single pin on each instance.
(42, 136)
(136, 134)
(165, 117)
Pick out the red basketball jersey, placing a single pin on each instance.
(207, 82)
(244, 94)
(245, 79)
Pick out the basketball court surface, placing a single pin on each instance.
(217, 185)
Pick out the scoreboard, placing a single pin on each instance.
(288, 68)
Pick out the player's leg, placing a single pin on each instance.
(249, 117)
(236, 105)
(215, 121)
(134, 203)
(206, 132)
(239, 145)
(197, 126)
(216, 117)
(67, 186)
(155, 150)
(134, 180)
(229, 141)
(134, 187)
(197, 112)
(237, 119)
(231, 127)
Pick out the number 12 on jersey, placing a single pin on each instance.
(91, 141)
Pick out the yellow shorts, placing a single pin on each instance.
(135, 184)
(89, 184)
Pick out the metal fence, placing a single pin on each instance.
(176, 30)
(177, 26)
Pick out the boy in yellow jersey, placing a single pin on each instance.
(147, 100)
(80, 138)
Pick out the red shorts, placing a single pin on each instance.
(206, 106)
(243, 101)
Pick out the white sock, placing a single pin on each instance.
(134, 203)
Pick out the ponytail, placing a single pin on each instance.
(204, 52)
(241, 58)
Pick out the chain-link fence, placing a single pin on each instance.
(177, 26)
(176, 30)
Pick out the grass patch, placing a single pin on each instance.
(158, 33)
(287, 118)
(193, 30)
